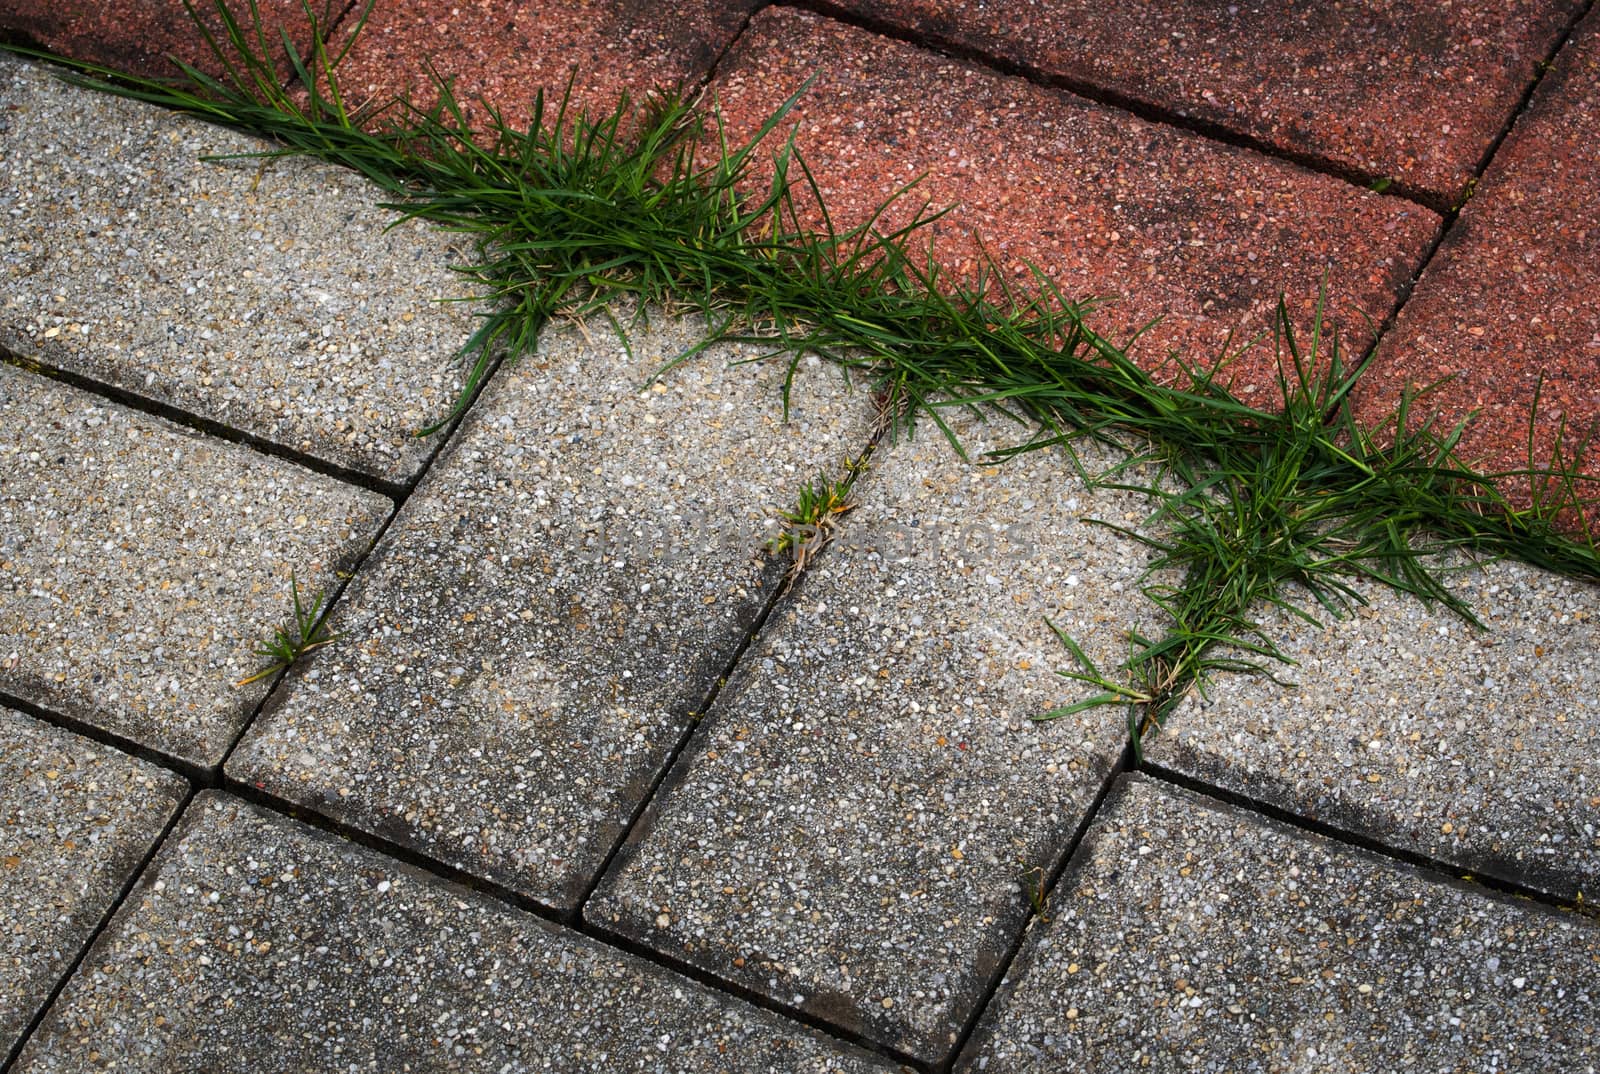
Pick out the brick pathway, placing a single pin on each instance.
(583, 785)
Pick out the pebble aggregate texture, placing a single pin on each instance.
(1415, 729)
(257, 945)
(76, 818)
(142, 564)
(1203, 235)
(535, 632)
(850, 834)
(1385, 89)
(144, 36)
(1507, 306)
(269, 299)
(1190, 936)
(509, 54)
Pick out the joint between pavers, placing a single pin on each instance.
(453, 876)
(134, 877)
(111, 393)
(966, 1046)
(1540, 70)
(196, 775)
(1107, 97)
(1431, 869)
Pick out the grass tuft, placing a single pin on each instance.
(650, 201)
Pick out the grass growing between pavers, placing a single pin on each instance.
(571, 212)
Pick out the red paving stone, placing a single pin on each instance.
(1415, 92)
(507, 53)
(138, 35)
(1107, 204)
(1511, 294)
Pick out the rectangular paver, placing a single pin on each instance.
(1414, 729)
(1190, 936)
(255, 944)
(1506, 309)
(1174, 225)
(1415, 93)
(508, 55)
(532, 637)
(269, 299)
(76, 820)
(141, 564)
(852, 830)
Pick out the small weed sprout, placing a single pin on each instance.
(1293, 507)
(300, 635)
(1033, 883)
(810, 523)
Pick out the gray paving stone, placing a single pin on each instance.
(528, 644)
(1474, 748)
(850, 832)
(257, 944)
(1190, 936)
(76, 818)
(141, 564)
(270, 300)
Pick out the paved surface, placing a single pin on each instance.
(584, 785)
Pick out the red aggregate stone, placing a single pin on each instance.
(1106, 204)
(1510, 297)
(507, 53)
(137, 36)
(1412, 91)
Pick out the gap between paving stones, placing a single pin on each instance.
(254, 918)
(1275, 961)
(954, 45)
(59, 894)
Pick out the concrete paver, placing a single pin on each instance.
(138, 36)
(270, 300)
(76, 819)
(1204, 235)
(530, 640)
(508, 55)
(1386, 89)
(141, 565)
(851, 831)
(1414, 729)
(1508, 300)
(857, 828)
(1189, 936)
(255, 944)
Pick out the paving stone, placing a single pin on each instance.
(138, 36)
(508, 55)
(76, 819)
(257, 944)
(532, 637)
(1206, 235)
(1508, 301)
(141, 564)
(269, 300)
(1410, 727)
(1189, 936)
(1387, 88)
(850, 833)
